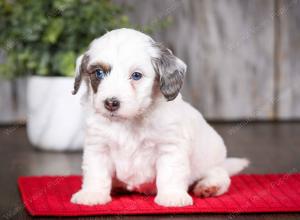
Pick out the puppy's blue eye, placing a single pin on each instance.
(136, 76)
(100, 74)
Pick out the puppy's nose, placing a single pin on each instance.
(112, 104)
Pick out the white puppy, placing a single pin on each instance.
(140, 134)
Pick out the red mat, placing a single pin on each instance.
(50, 196)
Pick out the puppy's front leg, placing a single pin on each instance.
(172, 178)
(97, 177)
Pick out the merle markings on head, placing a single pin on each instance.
(122, 67)
(171, 71)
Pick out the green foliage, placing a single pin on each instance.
(44, 37)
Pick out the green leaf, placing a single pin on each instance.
(43, 67)
(65, 63)
(53, 31)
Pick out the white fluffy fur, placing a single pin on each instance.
(149, 144)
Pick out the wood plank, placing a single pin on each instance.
(13, 101)
(21, 87)
(289, 60)
(7, 103)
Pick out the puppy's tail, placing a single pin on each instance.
(235, 165)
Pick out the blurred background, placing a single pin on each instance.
(242, 56)
(243, 59)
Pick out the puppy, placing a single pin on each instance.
(140, 134)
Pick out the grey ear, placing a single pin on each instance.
(171, 71)
(81, 68)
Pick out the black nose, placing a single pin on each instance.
(112, 104)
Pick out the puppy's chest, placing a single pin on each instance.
(134, 157)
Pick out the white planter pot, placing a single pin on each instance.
(55, 116)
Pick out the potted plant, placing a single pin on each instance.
(41, 40)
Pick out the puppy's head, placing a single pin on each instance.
(126, 71)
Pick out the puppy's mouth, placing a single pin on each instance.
(110, 115)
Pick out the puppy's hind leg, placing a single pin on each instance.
(215, 182)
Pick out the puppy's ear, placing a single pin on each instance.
(80, 71)
(171, 71)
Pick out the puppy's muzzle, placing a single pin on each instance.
(112, 104)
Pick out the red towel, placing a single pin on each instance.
(50, 196)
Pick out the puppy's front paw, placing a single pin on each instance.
(90, 198)
(174, 199)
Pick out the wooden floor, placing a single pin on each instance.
(271, 147)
